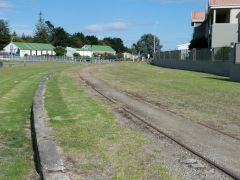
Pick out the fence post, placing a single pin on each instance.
(213, 53)
(237, 54)
(194, 54)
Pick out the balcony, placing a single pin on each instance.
(223, 34)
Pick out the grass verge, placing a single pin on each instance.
(199, 96)
(17, 88)
(96, 146)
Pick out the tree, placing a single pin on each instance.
(120, 56)
(60, 51)
(199, 43)
(78, 40)
(50, 30)
(145, 45)
(41, 34)
(60, 37)
(115, 43)
(92, 40)
(17, 39)
(14, 33)
(5, 37)
(28, 39)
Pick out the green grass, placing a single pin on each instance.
(17, 88)
(89, 136)
(199, 96)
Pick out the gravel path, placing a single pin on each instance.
(215, 146)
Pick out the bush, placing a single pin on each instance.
(60, 51)
(120, 56)
(223, 54)
(26, 55)
(76, 55)
(199, 43)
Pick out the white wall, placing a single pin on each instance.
(85, 53)
(235, 13)
(28, 52)
(224, 34)
(23, 52)
(8, 48)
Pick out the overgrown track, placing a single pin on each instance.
(217, 166)
(166, 109)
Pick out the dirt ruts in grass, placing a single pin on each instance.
(198, 96)
(94, 145)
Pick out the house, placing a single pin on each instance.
(70, 52)
(29, 49)
(219, 24)
(130, 56)
(91, 50)
(184, 50)
(183, 47)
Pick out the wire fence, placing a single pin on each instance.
(65, 59)
(216, 54)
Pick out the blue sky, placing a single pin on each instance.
(170, 20)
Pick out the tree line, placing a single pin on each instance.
(46, 32)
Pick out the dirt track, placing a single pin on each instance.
(213, 145)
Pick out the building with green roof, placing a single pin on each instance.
(30, 49)
(89, 50)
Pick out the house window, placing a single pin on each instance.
(223, 16)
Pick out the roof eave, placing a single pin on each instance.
(224, 6)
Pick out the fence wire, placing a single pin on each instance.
(216, 54)
(65, 59)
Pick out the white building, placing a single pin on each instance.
(90, 50)
(130, 56)
(30, 49)
(184, 48)
(70, 52)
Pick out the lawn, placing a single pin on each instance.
(95, 145)
(202, 97)
(17, 88)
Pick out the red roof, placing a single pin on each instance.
(198, 15)
(224, 2)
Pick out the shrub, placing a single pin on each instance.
(223, 54)
(60, 51)
(76, 55)
(199, 43)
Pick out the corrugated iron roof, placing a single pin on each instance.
(34, 46)
(96, 48)
(198, 15)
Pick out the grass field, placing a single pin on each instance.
(96, 146)
(17, 88)
(201, 97)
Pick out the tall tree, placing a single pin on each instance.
(78, 40)
(50, 30)
(145, 45)
(115, 43)
(41, 34)
(14, 33)
(5, 37)
(60, 37)
(92, 40)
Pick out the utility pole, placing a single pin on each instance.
(154, 44)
